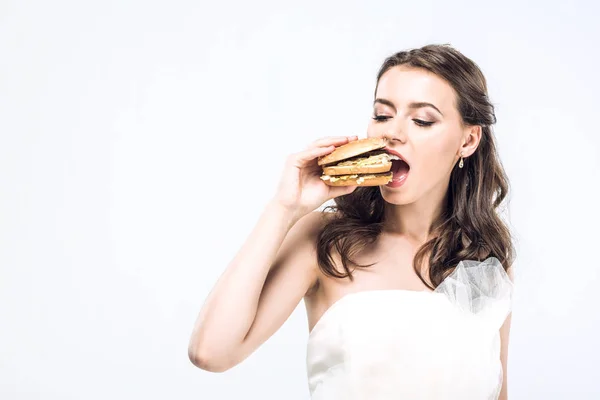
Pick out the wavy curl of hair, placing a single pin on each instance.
(469, 226)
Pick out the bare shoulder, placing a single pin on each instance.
(307, 229)
(292, 275)
(315, 299)
(511, 273)
(304, 235)
(298, 253)
(312, 223)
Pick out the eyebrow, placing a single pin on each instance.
(419, 104)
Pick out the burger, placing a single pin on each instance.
(363, 162)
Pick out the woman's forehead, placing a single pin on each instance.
(402, 84)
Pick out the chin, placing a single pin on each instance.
(397, 197)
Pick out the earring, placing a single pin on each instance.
(461, 164)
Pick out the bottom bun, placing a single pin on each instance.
(358, 180)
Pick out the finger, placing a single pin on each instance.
(305, 157)
(332, 141)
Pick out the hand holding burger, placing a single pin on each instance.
(300, 188)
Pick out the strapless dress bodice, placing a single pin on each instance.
(402, 344)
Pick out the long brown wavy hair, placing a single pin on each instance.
(469, 227)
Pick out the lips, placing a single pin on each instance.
(398, 165)
(399, 168)
(394, 152)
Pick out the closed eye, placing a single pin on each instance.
(381, 118)
(423, 123)
(419, 122)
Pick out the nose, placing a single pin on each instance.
(396, 135)
(395, 131)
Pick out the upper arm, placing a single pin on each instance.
(504, 340)
(292, 275)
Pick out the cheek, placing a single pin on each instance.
(436, 153)
(373, 131)
(443, 149)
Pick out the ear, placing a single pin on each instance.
(470, 140)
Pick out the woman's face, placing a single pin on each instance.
(416, 110)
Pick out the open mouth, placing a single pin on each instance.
(400, 169)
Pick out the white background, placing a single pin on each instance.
(123, 126)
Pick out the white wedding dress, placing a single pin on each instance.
(402, 344)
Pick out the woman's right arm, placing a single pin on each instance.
(272, 271)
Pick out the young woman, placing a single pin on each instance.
(407, 286)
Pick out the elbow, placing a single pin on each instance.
(207, 360)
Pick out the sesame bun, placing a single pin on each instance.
(358, 180)
(352, 149)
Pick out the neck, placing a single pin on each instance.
(415, 220)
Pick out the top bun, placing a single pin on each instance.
(352, 149)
